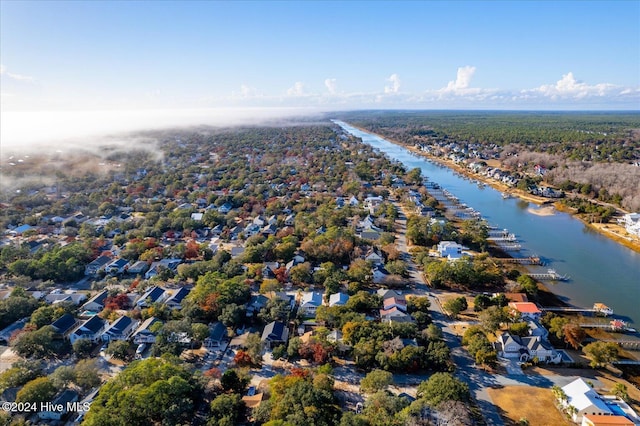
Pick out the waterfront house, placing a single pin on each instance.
(605, 420)
(584, 400)
(527, 310)
(526, 348)
(451, 250)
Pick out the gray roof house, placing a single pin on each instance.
(64, 325)
(175, 300)
(143, 333)
(153, 295)
(120, 329)
(217, 335)
(91, 329)
(96, 303)
(275, 333)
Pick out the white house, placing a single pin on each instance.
(338, 299)
(310, 302)
(631, 221)
(153, 295)
(451, 250)
(584, 399)
(96, 303)
(63, 401)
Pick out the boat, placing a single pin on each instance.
(506, 195)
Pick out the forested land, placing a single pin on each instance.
(594, 153)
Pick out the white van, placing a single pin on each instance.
(139, 351)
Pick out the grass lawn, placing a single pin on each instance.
(531, 403)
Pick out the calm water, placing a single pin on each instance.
(601, 270)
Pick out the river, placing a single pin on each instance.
(600, 269)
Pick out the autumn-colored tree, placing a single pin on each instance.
(573, 334)
(242, 359)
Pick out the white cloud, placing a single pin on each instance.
(394, 79)
(569, 87)
(331, 84)
(462, 81)
(296, 90)
(19, 77)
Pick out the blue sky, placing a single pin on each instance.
(319, 55)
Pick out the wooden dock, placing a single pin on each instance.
(550, 275)
(523, 260)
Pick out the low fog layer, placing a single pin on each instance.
(63, 129)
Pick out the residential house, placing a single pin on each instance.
(631, 222)
(64, 325)
(338, 299)
(310, 302)
(197, 216)
(605, 420)
(96, 303)
(120, 329)
(217, 336)
(5, 333)
(90, 329)
(256, 304)
(117, 267)
(526, 348)
(175, 300)
(397, 302)
(527, 310)
(386, 293)
(451, 250)
(275, 333)
(153, 295)
(62, 403)
(584, 399)
(374, 257)
(97, 265)
(225, 208)
(143, 333)
(380, 274)
(289, 220)
(156, 267)
(138, 268)
(69, 296)
(394, 315)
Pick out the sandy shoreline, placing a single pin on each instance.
(608, 230)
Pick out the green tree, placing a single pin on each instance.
(375, 381)
(37, 391)
(82, 347)
(86, 374)
(199, 331)
(37, 344)
(62, 376)
(118, 349)
(226, 410)
(455, 306)
(443, 387)
(601, 353)
(231, 382)
(620, 390)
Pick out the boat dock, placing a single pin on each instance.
(598, 308)
(550, 275)
(523, 260)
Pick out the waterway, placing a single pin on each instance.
(600, 269)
